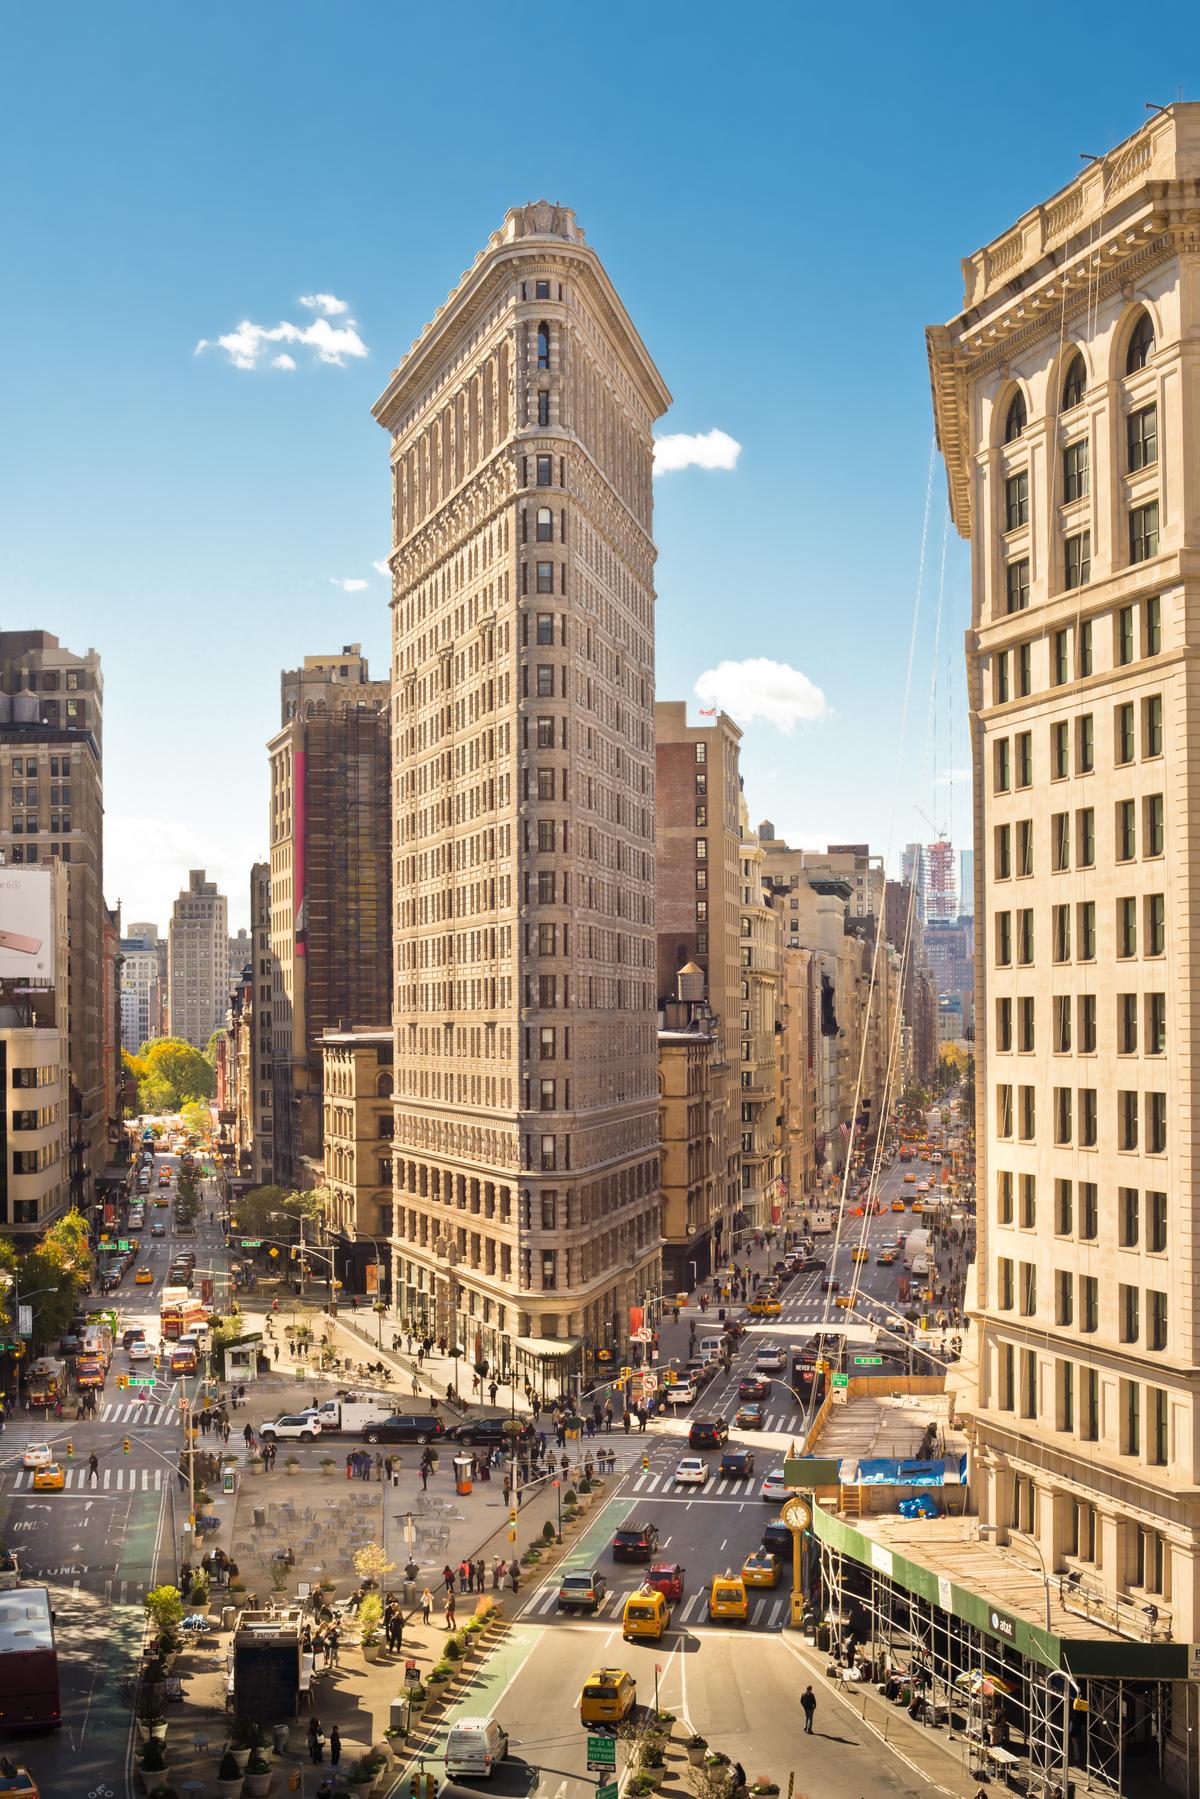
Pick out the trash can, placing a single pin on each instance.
(260, 1517)
(410, 1592)
(280, 1734)
(720, 1314)
(398, 1712)
(462, 1473)
(228, 1616)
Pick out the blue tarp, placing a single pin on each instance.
(890, 1471)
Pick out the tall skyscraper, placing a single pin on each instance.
(914, 872)
(143, 986)
(330, 886)
(941, 890)
(198, 960)
(262, 1066)
(523, 691)
(1067, 413)
(966, 883)
(51, 742)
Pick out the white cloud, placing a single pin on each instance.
(381, 568)
(329, 304)
(247, 344)
(761, 689)
(700, 449)
(347, 586)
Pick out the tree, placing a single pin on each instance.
(256, 1209)
(175, 1072)
(134, 1065)
(210, 1048)
(197, 1117)
(49, 1278)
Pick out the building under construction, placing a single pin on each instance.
(330, 886)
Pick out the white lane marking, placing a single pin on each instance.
(689, 1606)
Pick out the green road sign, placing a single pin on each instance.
(841, 1380)
(602, 1753)
(251, 1242)
(141, 1380)
(868, 1361)
(123, 1244)
(607, 1790)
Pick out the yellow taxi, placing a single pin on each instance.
(843, 1300)
(764, 1308)
(897, 1205)
(762, 1569)
(49, 1478)
(727, 1600)
(16, 1782)
(608, 1696)
(646, 1615)
(917, 1206)
(144, 1278)
(859, 1254)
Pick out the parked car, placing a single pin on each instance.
(300, 1425)
(488, 1432)
(405, 1427)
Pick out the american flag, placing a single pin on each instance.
(708, 712)
(845, 1130)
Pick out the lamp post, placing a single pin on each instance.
(558, 1496)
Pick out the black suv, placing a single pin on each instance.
(488, 1432)
(405, 1427)
(635, 1543)
(707, 1433)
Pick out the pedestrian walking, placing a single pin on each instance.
(514, 1577)
(335, 1746)
(424, 1476)
(316, 1740)
(426, 1605)
(808, 1705)
(450, 1616)
(93, 1469)
(333, 1643)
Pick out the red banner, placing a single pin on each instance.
(637, 1318)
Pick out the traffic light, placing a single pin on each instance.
(122, 1380)
(18, 1350)
(645, 1463)
(70, 1447)
(430, 1786)
(414, 1787)
(125, 1445)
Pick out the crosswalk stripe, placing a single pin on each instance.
(776, 1615)
(653, 1482)
(689, 1606)
(107, 1478)
(639, 1483)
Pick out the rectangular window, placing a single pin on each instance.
(1025, 936)
(547, 1100)
(1075, 471)
(1004, 1377)
(1128, 1217)
(1128, 1312)
(1126, 830)
(545, 783)
(1016, 501)
(545, 620)
(547, 1043)
(1003, 860)
(1062, 1024)
(1025, 1025)
(1085, 837)
(545, 680)
(1002, 691)
(1028, 1290)
(1027, 1187)
(1087, 1024)
(1124, 747)
(1153, 832)
(545, 582)
(1066, 1396)
(1059, 660)
(1062, 1115)
(1023, 745)
(1156, 1123)
(1064, 1210)
(1004, 1111)
(1156, 1024)
(1125, 639)
(545, 834)
(1084, 654)
(1016, 584)
(1003, 1025)
(1025, 847)
(1004, 1197)
(1002, 777)
(1127, 927)
(1156, 1319)
(1143, 536)
(1156, 924)
(1004, 1284)
(1029, 1367)
(1061, 930)
(545, 471)
(1141, 429)
(1127, 1024)
(1077, 559)
(1152, 625)
(1131, 1420)
(1158, 1448)
(1003, 939)
(1024, 656)
(1088, 1116)
(1152, 726)
(1127, 1118)
(1027, 1114)
(1085, 745)
(1060, 841)
(1156, 1222)
(1060, 751)
(1089, 1303)
(545, 733)
(1089, 1410)
(543, 406)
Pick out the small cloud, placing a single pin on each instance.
(248, 343)
(329, 304)
(381, 568)
(701, 449)
(350, 585)
(761, 689)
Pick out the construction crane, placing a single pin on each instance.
(941, 831)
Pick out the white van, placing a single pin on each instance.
(474, 1748)
(712, 1346)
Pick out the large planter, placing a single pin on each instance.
(230, 1789)
(256, 1464)
(329, 1468)
(696, 1754)
(371, 1652)
(241, 1757)
(257, 1786)
(291, 1468)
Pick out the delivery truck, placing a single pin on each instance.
(352, 1412)
(46, 1381)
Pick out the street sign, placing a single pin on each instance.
(601, 1754)
(24, 1321)
(642, 1336)
(123, 1244)
(140, 1380)
(412, 1676)
(272, 1252)
(251, 1242)
(607, 1789)
(867, 1361)
(649, 1383)
(841, 1380)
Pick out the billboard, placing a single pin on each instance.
(27, 926)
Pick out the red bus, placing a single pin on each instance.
(29, 1695)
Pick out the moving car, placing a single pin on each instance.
(635, 1542)
(910, 1179)
(859, 1253)
(646, 1615)
(727, 1602)
(764, 1308)
(762, 1569)
(141, 1351)
(300, 1425)
(158, 1228)
(608, 1696)
(737, 1464)
(831, 1284)
(474, 1747)
(680, 1392)
(405, 1427)
(777, 1538)
(897, 1205)
(753, 1386)
(885, 1258)
(37, 1455)
(133, 1334)
(16, 1782)
(749, 1417)
(774, 1486)
(691, 1472)
(488, 1432)
(707, 1433)
(144, 1277)
(771, 1360)
(582, 1592)
(667, 1577)
(49, 1478)
(814, 1264)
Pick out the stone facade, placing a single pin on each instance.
(35, 1084)
(760, 1021)
(526, 1189)
(357, 1135)
(197, 961)
(1067, 411)
(261, 1133)
(691, 1174)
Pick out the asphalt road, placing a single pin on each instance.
(99, 1545)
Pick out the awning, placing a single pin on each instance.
(544, 1347)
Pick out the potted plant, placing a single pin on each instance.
(328, 1465)
(453, 1650)
(256, 1463)
(292, 1464)
(417, 1696)
(229, 1775)
(257, 1776)
(548, 1531)
(203, 1499)
(370, 1612)
(198, 1591)
(664, 1724)
(279, 1576)
(439, 1674)
(696, 1748)
(361, 1774)
(242, 1739)
(151, 1762)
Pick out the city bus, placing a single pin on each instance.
(29, 1695)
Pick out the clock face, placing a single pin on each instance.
(796, 1515)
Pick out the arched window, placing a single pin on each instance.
(1141, 344)
(1074, 382)
(1016, 418)
(543, 346)
(383, 1086)
(545, 525)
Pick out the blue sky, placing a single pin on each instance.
(781, 195)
